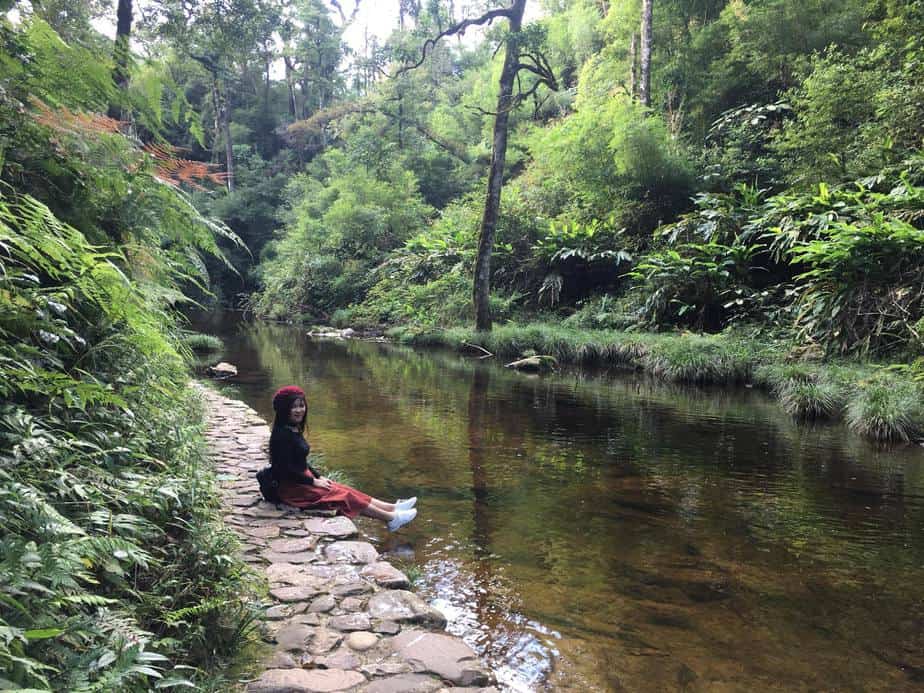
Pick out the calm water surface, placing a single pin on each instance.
(604, 532)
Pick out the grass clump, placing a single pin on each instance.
(805, 391)
(810, 399)
(203, 343)
(698, 359)
(886, 410)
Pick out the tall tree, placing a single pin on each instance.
(121, 51)
(517, 58)
(219, 35)
(481, 291)
(645, 57)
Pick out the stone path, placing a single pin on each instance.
(342, 619)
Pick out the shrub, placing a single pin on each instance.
(203, 342)
(860, 292)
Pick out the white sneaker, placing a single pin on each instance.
(405, 503)
(401, 518)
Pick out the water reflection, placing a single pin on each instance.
(606, 532)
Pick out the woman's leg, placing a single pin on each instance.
(382, 505)
(378, 513)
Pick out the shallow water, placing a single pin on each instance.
(605, 532)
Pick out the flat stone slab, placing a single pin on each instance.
(341, 659)
(324, 641)
(405, 683)
(322, 604)
(387, 627)
(348, 589)
(293, 545)
(339, 526)
(298, 557)
(294, 636)
(340, 571)
(267, 532)
(351, 552)
(349, 622)
(265, 510)
(386, 575)
(444, 655)
(352, 604)
(283, 611)
(282, 660)
(404, 607)
(298, 593)
(305, 681)
(291, 574)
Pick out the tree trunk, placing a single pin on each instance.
(482, 288)
(645, 62)
(633, 66)
(120, 53)
(216, 120)
(223, 128)
(229, 145)
(290, 85)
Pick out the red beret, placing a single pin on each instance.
(285, 395)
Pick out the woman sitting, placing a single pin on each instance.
(302, 486)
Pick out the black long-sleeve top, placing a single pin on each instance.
(289, 456)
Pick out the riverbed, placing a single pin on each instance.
(603, 531)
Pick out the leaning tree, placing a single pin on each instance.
(522, 55)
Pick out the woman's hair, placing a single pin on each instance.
(282, 405)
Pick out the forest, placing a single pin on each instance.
(713, 191)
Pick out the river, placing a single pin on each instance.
(605, 532)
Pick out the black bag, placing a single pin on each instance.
(269, 487)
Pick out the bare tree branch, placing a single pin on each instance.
(343, 18)
(458, 28)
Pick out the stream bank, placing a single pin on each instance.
(341, 618)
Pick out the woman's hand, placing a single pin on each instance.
(321, 482)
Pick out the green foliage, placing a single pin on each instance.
(738, 144)
(855, 114)
(810, 400)
(609, 159)
(103, 493)
(338, 231)
(696, 284)
(700, 359)
(110, 515)
(861, 289)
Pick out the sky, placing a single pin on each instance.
(377, 17)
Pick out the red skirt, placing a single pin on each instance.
(344, 499)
